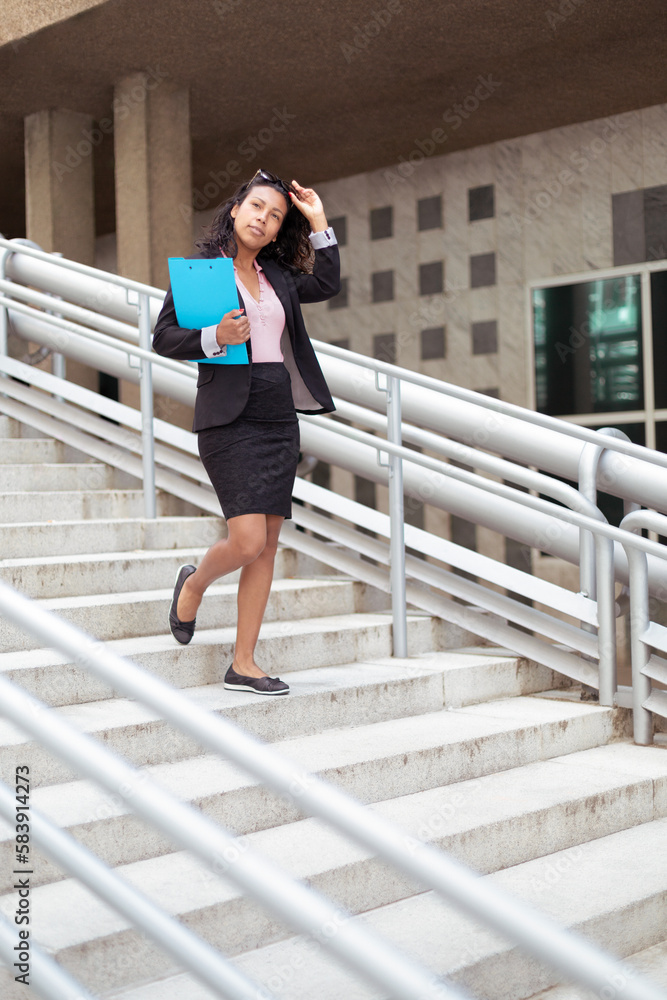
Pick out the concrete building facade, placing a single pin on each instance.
(461, 154)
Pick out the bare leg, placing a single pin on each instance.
(253, 593)
(246, 538)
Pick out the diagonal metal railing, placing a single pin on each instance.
(304, 909)
(101, 318)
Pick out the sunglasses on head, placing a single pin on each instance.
(266, 175)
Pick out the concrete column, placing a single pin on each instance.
(60, 204)
(60, 211)
(153, 175)
(153, 182)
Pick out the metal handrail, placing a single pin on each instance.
(572, 956)
(203, 961)
(635, 521)
(132, 350)
(576, 518)
(73, 265)
(606, 606)
(48, 979)
(302, 907)
(541, 420)
(403, 374)
(538, 934)
(395, 377)
(108, 324)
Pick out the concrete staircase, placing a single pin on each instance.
(468, 747)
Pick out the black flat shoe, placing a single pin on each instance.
(258, 685)
(181, 631)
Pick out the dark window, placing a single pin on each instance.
(107, 385)
(481, 203)
(382, 223)
(364, 491)
(655, 222)
(384, 347)
(382, 283)
(339, 301)
(344, 342)
(431, 278)
(659, 323)
(433, 343)
(588, 347)
(494, 393)
(463, 533)
(429, 213)
(413, 512)
(518, 555)
(639, 220)
(322, 475)
(482, 270)
(485, 337)
(339, 226)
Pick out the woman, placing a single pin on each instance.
(245, 415)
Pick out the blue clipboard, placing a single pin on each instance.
(204, 290)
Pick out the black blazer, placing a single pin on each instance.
(222, 390)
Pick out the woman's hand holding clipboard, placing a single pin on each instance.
(204, 289)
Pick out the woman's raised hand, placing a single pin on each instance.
(233, 328)
(310, 204)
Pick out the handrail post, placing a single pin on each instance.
(4, 312)
(396, 516)
(642, 718)
(592, 557)
(606, 609)
(146, 388)
(640, 620)
(58, 361)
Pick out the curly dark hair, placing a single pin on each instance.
(292, 248)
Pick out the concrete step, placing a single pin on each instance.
(30, 477)
(65, 538)
(137, 733)
(321, 698)
(31, 450)
(81, 504)
(46, 577)
(573, 885)
(108, 572)
(623, 914)
(489, 822)
(603, 890)
(99, 572)
(10, 428)
(117, 572)
(383, 760)
(144, 613)
(651, 963)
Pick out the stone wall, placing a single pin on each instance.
(512, 211)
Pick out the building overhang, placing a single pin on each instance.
(322, 90)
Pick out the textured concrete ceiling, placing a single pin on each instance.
(358, 83)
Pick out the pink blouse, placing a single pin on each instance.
(267, 318)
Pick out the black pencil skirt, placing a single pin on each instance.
(252, 461)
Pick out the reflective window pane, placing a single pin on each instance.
(588, 347)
